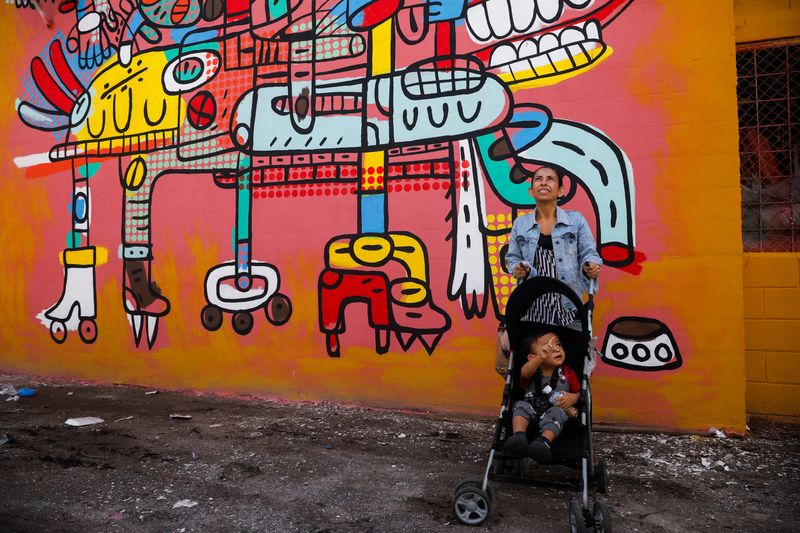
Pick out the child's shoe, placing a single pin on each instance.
(516, 445)
(539, 450)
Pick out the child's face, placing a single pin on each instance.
(549, 345)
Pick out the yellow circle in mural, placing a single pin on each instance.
(492, 249)
(505, 280)
(504, 290)
(489, 218)
(493, 259)
(372, 249)
(494, 270)
(408, 291)
(501, 217)
(504, 300)
(491, 238)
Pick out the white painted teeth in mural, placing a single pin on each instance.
(498, 19)
(523, 12)
(578, 42)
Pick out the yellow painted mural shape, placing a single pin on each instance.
(127, 109)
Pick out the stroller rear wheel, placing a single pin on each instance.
(471, 504)
(473, 483)
(577, 522)
(602, 518)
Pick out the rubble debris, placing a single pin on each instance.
(184, 503)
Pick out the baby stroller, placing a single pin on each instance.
(573, 448)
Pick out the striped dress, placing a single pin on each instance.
(548, 308)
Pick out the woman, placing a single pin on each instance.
(552, 242)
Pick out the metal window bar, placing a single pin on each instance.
(768, 93)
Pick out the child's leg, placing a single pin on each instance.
(517, 443)
(519, 424)
(552, 422)
(550, 425)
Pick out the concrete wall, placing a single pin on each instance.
(378, 264)
(771, 280)
(759, 20)
(772, 333)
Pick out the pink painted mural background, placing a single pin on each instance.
(660, 98)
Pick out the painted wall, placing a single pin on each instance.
(760, 20)
(771, 280)
(329, 222)
(772, 333)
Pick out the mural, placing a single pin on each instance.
(268, 196)
(264, 94)
(644, 344)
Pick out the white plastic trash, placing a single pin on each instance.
(84, 421)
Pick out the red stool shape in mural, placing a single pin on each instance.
(337, 289)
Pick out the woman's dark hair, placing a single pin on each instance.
(560, 173)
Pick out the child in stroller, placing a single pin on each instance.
(573, 447)
(552, 389)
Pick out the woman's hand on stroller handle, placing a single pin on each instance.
(521, 270)
(592, 270)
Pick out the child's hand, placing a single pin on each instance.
(542, 355)
(568, 399)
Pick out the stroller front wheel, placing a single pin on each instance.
(577, 521)
(471, 504)
(602, 518)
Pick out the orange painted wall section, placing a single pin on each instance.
(771, 280)
(407, 211)
(759, 20)
(772, 333)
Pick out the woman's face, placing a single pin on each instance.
(544, 185)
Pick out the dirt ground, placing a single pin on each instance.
(254, 465)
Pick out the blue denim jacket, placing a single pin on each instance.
(573, 245)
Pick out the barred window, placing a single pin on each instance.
(768, 92)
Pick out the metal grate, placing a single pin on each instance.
(768, 91)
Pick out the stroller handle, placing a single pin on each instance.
(526, 292)
(593, 285)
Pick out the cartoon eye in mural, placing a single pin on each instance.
(189, 71)
(643, 344)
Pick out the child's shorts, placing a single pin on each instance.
(553, 419)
